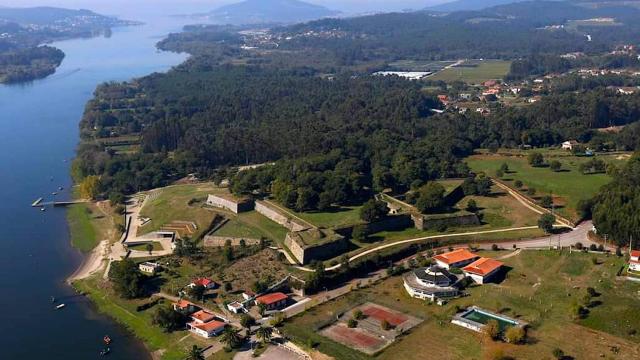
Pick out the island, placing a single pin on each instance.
(23, 31)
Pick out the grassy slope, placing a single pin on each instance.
(570, 185)
(559, 279)
(345, 215)
(83, 234)
(487, 70)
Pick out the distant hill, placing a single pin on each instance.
(466, 5)
(43, 15)
(269, 11)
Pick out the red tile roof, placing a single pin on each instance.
(483, 266)
(203, 282)
(456, 256)
(203, 316)
(183, 304)
(210, 326)
(271, 298)
(635, 253)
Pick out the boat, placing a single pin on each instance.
(43, 209)
(104, 352)
(59, 306)
(60, 188)
(53, 299)
(54, 193)
(107, 339)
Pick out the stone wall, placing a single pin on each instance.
(426, 222)
(390, 223)
(275, 215)
(234, 206)
(220, 241)
(321, 251)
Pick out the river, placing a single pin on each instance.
(38, 136)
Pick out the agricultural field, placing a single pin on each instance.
(568, 186)
(479, 72)
(541, 288)
(179, 203)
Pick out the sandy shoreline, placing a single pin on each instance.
(92, 263)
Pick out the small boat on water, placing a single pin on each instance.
(54, 193)
(43, 209)
(106, 339)
(60, 306)
(53, 299)
(104, 352)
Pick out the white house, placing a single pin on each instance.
(634, 261)
(204, 282)
(482, 270)
(208, 329)
(569, 145)
(149, 267)
(456, 258)
(236, 308)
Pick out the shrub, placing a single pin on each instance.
(558, 353)
(495, 247)
(593, 247)
(518, 184)
(535, 159)
(352, 323)
(515, 335)
(531, 191)
(546, 201)
(555, 165)
(358, 314)
(492, 329)
(472, 206)
(578, 245)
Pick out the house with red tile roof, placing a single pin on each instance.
(204, 282)
(208, 329)
(456, 258)
(185, 307)
(202, 316)
(482, 270)
(634, 260)
(272, 301)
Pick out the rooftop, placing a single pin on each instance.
(435, 274)
(456, 256)
(211, 325)
(203, 282)
(483, 266)
(635, 253)
(271, 298)
(203, 316)
(183, 304)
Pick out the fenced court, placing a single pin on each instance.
(369, 335)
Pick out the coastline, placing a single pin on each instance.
(91, 264)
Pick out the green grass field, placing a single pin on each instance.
(143, 247)
(486, 70)
(252, 225)
(173, 204)
(343, 216)
(539, 288)
(83, 234)
(568, 186)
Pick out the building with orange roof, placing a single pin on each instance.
(456, 258)
(634, 260)
(204, 282)
(208, 329)
(202, 316)
(185, 307)
(272, 301)
(482, 270)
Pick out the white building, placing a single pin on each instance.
(569, 145)
(431, 283)
(207, 330)
(236, 308)
(456, 258)
(149, 267)
(482, 270)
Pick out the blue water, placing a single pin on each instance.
(38, 135)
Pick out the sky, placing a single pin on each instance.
(172, 7)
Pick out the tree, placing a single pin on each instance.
(167, 319)
(231, 337)
(430, 198)
(504, 168)
(518, 184)
(228, 286)
(499, 173)
(90, 187)
(469, 186)
(264, 334)
(546, 222)
(531, 191)
(472, 206)
(307, 199)
(352, 323)
(373, 210)
(515, 335)
(149, 248)
(555, 165)
(126, 278)
(558, 353)
(358, 314)
(491, 329)
(197, 292)
(546, 201)
(483, 184)
(195, 353)
(247, 321)
(359, 233)
(535, 159)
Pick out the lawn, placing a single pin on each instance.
(486, 70)
(83, 235)
(172, 204)
(252, 225)
(143, 247)
(335, 218)
(568, 186)
(540, 288)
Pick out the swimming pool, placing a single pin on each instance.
(475, 318)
